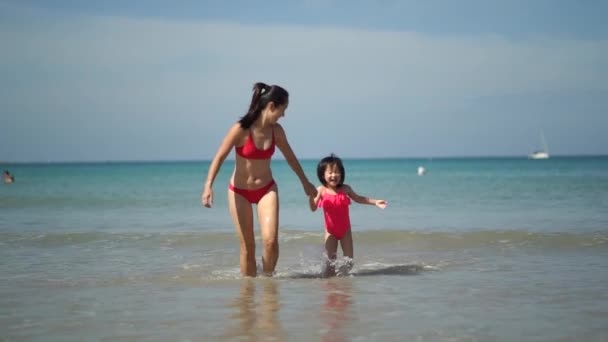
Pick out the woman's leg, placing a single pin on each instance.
(242, 216)
(268, 218)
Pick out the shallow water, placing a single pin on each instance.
(476, 250)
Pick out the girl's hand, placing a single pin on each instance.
(310, 189)
(381, 204)
(207, 197)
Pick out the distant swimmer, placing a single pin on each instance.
(8, 178)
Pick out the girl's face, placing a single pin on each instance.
(332, 176)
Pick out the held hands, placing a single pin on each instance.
(317, 196)
(381, 204)
(309, 189)
(207, 197)
(313, 199)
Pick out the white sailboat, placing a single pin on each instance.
(544, 153)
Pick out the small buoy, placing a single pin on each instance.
(421, 170)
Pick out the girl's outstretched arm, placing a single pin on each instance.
(221, 154)
(362, 199)
(283, 144)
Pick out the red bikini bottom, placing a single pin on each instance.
(255, 195)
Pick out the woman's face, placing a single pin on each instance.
(276, 112)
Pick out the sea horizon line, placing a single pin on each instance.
(160, 160)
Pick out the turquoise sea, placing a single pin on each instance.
(478, 249)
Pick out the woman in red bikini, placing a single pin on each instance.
(254, 138)
(334, 197)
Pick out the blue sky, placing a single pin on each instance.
(163, 80)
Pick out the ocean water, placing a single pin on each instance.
(478, 249)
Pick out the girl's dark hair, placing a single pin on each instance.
(332, 159)
(262, 94)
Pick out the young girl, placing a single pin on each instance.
(334, 197)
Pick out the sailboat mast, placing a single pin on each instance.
(543, 141)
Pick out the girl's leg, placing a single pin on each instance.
(348, 251)
(268, 218)
(242, 216)
(331, 248)
(347, 244)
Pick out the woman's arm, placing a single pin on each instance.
(283, 144)
(362, 199)
(221, 154)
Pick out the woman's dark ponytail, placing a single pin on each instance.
(262, 94)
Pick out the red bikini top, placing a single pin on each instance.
(250, 151)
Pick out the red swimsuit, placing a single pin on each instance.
(335, 210)
(250, 151)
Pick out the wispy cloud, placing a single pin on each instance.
(408, 61)
(145, 66)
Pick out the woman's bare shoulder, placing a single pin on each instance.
(236, 131)
(236, 128)
(278, 129)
